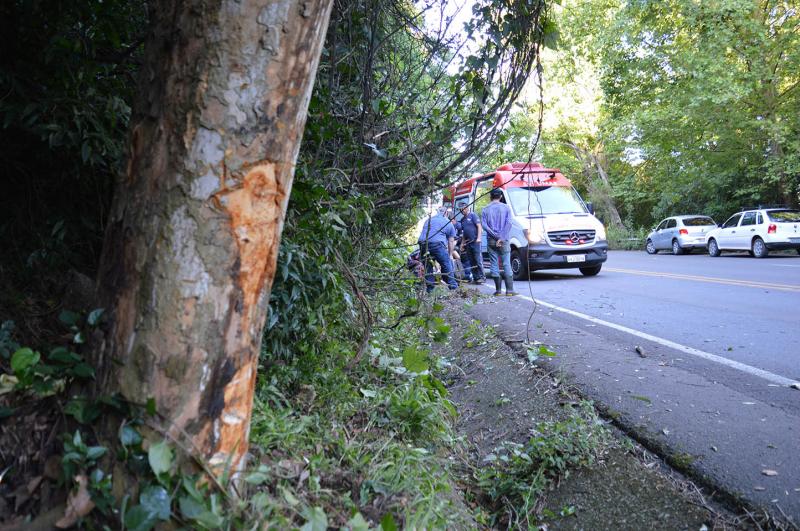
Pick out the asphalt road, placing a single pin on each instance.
(720, 351)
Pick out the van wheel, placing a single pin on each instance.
(519, 265)
(591, 271)
(760, 248)
(713, 248)
(650, 247)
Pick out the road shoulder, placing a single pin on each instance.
(502, 398)
(696, 423)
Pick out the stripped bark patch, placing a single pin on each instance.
(256, 211)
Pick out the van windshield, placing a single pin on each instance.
(545, 200)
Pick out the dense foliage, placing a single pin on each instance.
(695, 109)
(67, 74)
(404, 104)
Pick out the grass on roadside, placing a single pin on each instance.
(362, 446)
(515, 476)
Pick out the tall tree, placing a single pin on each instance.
(192, 239)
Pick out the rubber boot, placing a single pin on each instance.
(498, 286)
(510, 285)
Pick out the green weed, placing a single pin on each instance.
(517, 474)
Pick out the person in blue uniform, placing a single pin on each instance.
(437, 242)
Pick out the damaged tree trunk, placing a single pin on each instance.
(192, 240)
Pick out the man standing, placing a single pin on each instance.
(471, 246)
(496, 220)
(437, 241)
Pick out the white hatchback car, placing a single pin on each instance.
(757, 231)
(680, 234)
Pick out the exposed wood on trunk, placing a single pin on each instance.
(192, 241)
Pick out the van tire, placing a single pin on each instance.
(519, 265)
(591, 271)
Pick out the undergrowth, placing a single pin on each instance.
(514, 476)
(369, 442)
(626, 239)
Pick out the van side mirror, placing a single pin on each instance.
(590, 207)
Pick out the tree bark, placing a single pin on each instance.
(191, 244)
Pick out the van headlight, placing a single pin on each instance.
(601, 234)
(533, 237)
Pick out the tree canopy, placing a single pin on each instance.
(696, 107)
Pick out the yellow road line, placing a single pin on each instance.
(714, 280)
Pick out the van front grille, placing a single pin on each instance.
(571, 237)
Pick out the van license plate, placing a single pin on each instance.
(576, 258)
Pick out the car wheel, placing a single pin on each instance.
(676, 247)
(591, 271)
(713, 248)
(519, 266)
(651, 248)
(760, 248)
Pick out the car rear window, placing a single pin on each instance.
(698, 221)
(785, 216)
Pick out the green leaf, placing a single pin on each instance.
(82, 410)
(128, 436)
(139, 519)
(83, 370)
(79, 338)
(151, 406)
(357, 523)
(95, 452)
(258, 477)
(288, 496)
(388, 523)
(191, 508)
(156, 500)
(415, 360)
(23, 359)
(198, 512)
(316, 519)
(94, 316)
(96, 476)
(259, 502)
(69, 318)
(63, 355)
(189, 485)
(435, 384)
(368, 393)
(544, 351)
(160, 457)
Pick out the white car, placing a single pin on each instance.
(680, 234)
(757, 231)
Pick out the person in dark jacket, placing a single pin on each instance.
(471, 255)
(496, 221)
